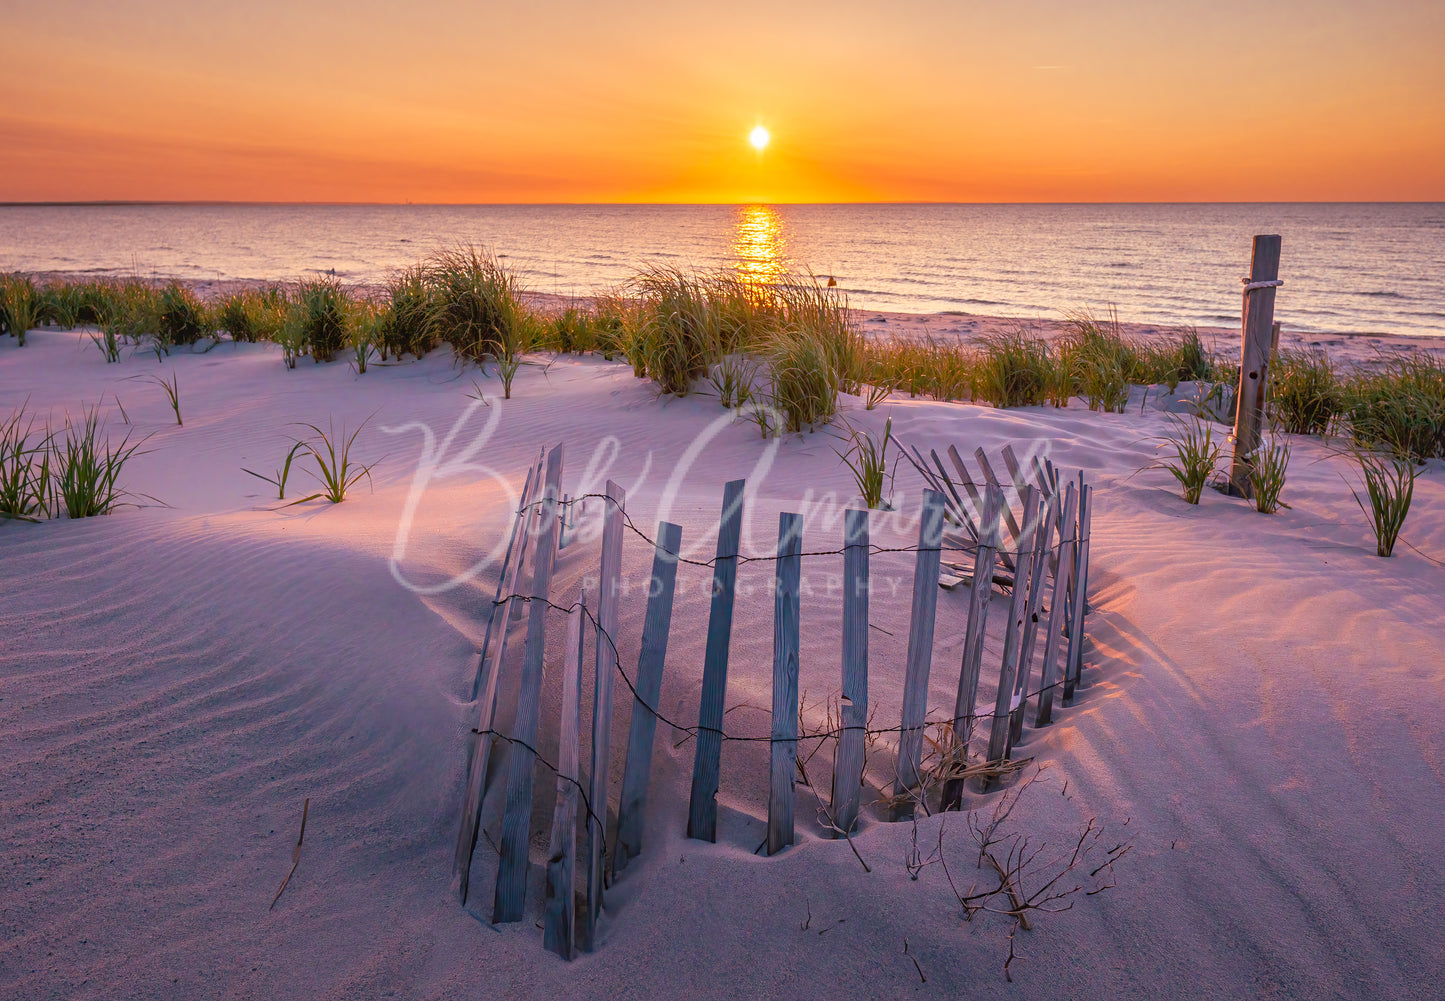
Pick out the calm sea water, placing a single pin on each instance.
(1346, 267)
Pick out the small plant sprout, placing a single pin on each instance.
(732, 379)
(1196, 455)
(108, 343)
(172, 388)
(335, 469)
(478, 394)
(1268, 465)
(868, 460)
(279, 480)
(507, 365)
(1390, 485)
(875, 396)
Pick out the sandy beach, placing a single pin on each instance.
(1261, 717)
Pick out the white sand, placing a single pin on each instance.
(1263, 717)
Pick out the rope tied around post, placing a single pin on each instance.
(1250, 286)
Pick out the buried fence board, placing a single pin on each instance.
(702, 804)
(519, 524)
(606, 663)
(1058, 605)
(510, 898)
(783, 763)
(486, 697)
(853, 708)
(920, 649)
(972, 490)
(560, 918)
(638, 769)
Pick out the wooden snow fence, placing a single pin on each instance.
(1029, 535)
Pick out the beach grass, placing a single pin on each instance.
(321, 312)
(25, 467)
(1305, 392)
(1196, 454)
(19, 306)
(335, 470)
(252, 315)
(1389, 482)
(87, 467)
(472, 301)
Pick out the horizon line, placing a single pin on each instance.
(142, 202)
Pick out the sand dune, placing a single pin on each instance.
(1262, 716)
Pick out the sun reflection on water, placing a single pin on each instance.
(759, 245)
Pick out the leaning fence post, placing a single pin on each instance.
(655, 626)
(606, 662)
(510, 898)
(979, 595)
(560, 920)
(702, 805)
(1074, 666)
(784, 744)
(853, 711)
(920, 652)
(1257, 327)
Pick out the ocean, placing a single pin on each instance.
(1376, 268)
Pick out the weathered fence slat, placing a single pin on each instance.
(511, 894)
(972, 491)
(1043, 540)
(853, 708)
(1057, 606)
(784, 745)
(702, 805)
(965, 515)
(1013, 628)
(638, 769)
(518, 526)
(1008, 515)
(606, 662)
(980, 593)
(560, 918)
(486, 696)
(920, 651)
(1075, 667)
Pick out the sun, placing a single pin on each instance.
(759, 138)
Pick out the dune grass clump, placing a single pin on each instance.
(252, 315)
(1268, 468)
(25, 480)
(19, 306)
(804, 381)
(734, 379)
(182, 318)
(60, 304)
(867, 459)
(688, 321)
(335, 470)
(1400, 406)
(321, 312)
(1014, 370)
(1305, 394)
(406, 325)
(1196, 454)
(473, 303)
(87, 467)
(1389, 482)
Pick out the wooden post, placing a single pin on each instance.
(638, 770)
(853, 712)
(511, 895)
(1043, 539)
(1058, 605)
(1074, 668)
(1254, 360)
(980, 592)
(560, 919)
(702, 805)
(920, 651)
(482, 740)
(1003, 704)
(606, 663)
(784, 744)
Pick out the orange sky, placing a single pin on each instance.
(322, 100)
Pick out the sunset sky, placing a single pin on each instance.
(442, 101)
